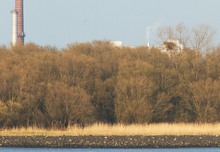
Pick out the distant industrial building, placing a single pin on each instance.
(116, 43)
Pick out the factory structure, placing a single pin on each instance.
(18, 34)
(18, 23)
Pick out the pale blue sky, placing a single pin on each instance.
(60, 22)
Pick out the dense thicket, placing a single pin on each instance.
(96, 82)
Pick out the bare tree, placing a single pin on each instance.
(132, 101)
(71, 105)
(182, 34)
(204, 100)
(165, 33)
(202, 38)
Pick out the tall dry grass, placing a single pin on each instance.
(121, 130)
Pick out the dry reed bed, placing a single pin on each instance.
(120, 130)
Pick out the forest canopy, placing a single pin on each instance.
(96, 82)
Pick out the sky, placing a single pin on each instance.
(62, 22)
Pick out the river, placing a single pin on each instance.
(109, 150)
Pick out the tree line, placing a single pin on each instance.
(94, 82)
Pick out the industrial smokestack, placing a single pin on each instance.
(20, 22)
(14, 27)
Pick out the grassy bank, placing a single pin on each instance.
(120, 130)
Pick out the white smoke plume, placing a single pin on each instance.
(151, 29)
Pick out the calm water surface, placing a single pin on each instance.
(108, 150)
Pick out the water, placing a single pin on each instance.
(109, 150)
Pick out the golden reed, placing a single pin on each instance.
(120, 130)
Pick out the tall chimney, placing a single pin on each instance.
(20, 22)
(14, 14)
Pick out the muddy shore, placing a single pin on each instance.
(109, 141)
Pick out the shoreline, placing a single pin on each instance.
(110, 141)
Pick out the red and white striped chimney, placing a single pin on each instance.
(20, 22)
